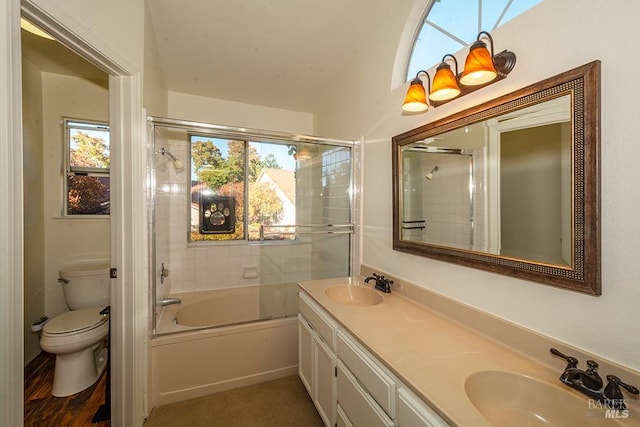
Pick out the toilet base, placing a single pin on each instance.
(77, 371)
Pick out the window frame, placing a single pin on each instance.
(409, 72)
(68, 125)
(247, 141)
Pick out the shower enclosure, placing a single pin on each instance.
(440, 203)
(248, 213)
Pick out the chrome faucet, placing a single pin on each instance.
(382, 284)
(169, 301)
(588, 382)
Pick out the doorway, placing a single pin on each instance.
(127, 228)
(56, 84)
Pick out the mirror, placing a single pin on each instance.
(510, 186)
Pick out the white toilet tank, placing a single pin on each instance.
(86, 286)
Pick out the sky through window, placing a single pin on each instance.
(450, 25)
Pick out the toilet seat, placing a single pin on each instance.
(75, 322)
(77, 339)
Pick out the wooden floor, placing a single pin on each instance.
(41, 409)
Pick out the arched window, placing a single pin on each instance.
(450, 25)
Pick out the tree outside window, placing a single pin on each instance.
(220, 167)
(87, 184)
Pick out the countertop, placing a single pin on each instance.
(430, 353)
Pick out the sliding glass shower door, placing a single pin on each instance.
(235, 209)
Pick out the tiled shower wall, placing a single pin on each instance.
(204, 266)
(447, 204)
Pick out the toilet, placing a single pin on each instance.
(77, 336)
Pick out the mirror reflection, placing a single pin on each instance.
(509, 186)
(501, 186)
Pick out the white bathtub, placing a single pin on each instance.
(220, 344)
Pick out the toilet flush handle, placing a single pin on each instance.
(62, 280)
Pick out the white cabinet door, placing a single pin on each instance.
(324, 396)
(305, 354)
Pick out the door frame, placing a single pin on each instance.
(128, 216)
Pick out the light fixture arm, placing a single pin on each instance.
(428, 79)
(490, 40)
(455, 62)
(503, 61)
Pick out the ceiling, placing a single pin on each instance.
(283, 54)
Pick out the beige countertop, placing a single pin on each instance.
(431, 353)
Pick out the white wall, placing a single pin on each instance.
(554, 36)
(68, 240)
(221, 112)
(155, 95)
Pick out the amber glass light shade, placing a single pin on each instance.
(416, 99)
(445, 86)
(478, 68)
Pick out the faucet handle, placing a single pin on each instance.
(612, 390)
(572, 362)
(592, 380)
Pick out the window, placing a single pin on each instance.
(450, 25)
(86, 184)
(238, 187)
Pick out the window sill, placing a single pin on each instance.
(83, 218)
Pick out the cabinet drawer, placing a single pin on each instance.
(413, 412)
(378, 383)
(357, 404)
(319, 321)
(342, 420)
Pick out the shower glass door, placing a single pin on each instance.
(314, 241)
(249, 213)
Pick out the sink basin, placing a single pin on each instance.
(509, 399)
(353, 295)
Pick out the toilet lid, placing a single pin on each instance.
(75, 321)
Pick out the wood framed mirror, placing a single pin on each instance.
(510, 186)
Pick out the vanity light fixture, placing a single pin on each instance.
(445, 85)
(303, 153)
(416, 99)
(481, 68)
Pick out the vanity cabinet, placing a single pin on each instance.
(317, 357)
(347, 384)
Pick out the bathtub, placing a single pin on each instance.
(222, 339)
